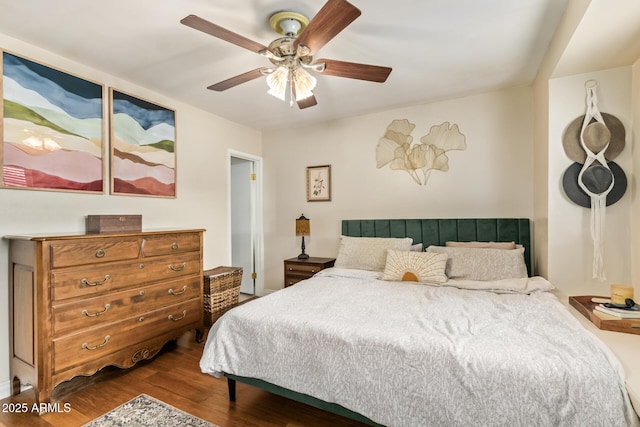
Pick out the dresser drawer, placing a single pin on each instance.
(88, 281)
(84, 346)
(114, 306)
(170, 244)
(66, 254)
(302, 269)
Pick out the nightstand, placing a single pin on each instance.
(296, 269)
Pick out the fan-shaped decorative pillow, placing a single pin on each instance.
(425, 267)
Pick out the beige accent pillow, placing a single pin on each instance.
(368, 253)
(486, 245)
(411, 266)
(483, 263)
(417, 247)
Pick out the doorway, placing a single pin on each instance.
(245, 217)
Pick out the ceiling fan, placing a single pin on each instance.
(292, 55)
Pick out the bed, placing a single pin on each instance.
(453, 348)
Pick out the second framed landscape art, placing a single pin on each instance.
(143, 147)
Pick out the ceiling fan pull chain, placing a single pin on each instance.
(291, 89)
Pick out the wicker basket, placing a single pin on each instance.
(221, 291)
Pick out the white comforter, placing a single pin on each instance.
(416, 355)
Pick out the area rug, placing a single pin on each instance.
(146, 411)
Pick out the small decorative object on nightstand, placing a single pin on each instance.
(303, 228)
(296, 269)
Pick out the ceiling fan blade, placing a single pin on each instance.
(239, 79)
(353, 70)
(307, 102)
(210, 28)
(334, 17)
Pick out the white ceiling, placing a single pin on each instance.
(437, 48)
(607, 37)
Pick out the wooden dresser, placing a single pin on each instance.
(82, 302)
(296, 269)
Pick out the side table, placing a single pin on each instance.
(296, 269)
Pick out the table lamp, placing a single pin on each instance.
(303, 227)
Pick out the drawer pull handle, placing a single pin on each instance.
(180, 292)
(97, 313)
(100, 253)
(184, 314)
(141, 293)
(141, 319)
(106, 340)
(178, 268)
(290, 268)
(313, 271)
(174, 246)
(84, 281)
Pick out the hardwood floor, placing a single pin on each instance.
(174, 377)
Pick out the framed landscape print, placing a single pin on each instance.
(143, 147)
(319, 183)
(52, 129)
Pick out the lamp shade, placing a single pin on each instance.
(304, 83)
(278, 82)
(303, 226)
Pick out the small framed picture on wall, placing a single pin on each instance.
(319, 183)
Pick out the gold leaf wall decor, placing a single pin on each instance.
(396, 149)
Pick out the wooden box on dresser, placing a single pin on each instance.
(79, 303)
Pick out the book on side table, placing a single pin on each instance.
(623, 313)
(602, 320)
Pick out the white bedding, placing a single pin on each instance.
(405, 354)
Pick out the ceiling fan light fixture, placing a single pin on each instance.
(292, 55)
(304, 83)
(277, 82)
(288, 23)
(290, 26)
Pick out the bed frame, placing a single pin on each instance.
(425, 231)
(439, 231)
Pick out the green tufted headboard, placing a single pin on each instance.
(438, 231)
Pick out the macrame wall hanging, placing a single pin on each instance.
(594, 181)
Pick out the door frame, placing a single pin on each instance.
(257, 217)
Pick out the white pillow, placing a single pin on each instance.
(417, 247)
(368, 253)
(484, 263)
(411, 266)
(485, 245)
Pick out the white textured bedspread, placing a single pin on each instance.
(407, 354)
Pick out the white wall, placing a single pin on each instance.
(634, 182)
(492, 177)
(202, 182)
(570, 244)
(563, 36)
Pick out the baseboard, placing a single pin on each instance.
(5, 389)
